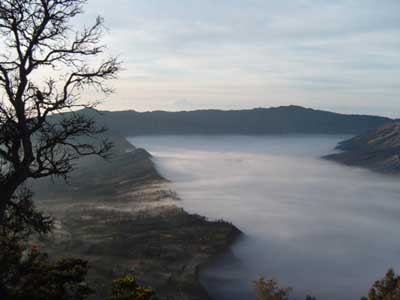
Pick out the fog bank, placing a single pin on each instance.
(322, 228)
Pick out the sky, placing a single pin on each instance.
(232, 54)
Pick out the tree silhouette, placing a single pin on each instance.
(44, 68)
(387, 288)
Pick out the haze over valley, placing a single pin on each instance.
(199, 150)
(323, 228)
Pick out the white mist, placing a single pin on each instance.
(322, 228)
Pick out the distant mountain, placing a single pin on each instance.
(279, 120)
(378, 150)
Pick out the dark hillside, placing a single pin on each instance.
(378, 150)
(280, 120)
(122, 217)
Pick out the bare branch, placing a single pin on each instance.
(37, 35)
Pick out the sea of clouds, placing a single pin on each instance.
(322, 228)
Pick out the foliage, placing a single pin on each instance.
(42, 135)
(268, 289)
(126, 288)
(22, 219)
(387, 288)
(25, 272)
(35, 277)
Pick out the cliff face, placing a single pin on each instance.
(123, 218)
(377, 150)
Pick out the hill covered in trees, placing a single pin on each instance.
(279, 120)
(378, 150)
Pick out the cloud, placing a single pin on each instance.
(303, 222)
(182, 104)
(309, 52)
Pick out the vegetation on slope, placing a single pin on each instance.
(279, 120)
(378, 150)
(121, 216)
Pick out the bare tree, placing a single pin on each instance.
(44, 68)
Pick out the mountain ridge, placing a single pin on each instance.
(276, 120)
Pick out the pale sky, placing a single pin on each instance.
(231, 54)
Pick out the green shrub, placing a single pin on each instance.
(126, 288)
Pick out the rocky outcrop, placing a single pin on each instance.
(377, 150)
